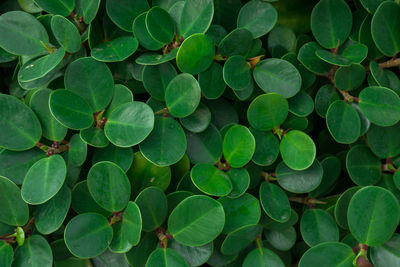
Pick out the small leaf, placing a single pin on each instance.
(167, 258)
(196, 17)
(238, 146)
(333, 253)
(210, 180)
(115, 50)
(66, 33)
(14, 210)
(123, 13)
(275, 202)
(35, 252)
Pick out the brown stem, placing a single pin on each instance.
(348, 98)
(390, 63)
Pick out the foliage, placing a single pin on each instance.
(199, 133)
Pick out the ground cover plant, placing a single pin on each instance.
(199, 133)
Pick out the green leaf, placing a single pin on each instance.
(299, 181)
(87, 9)
(77, 151)
(94, 136)
(237, 42)
(182, 95)
(258, 17)
(83, 202)
(52, 129)
(142, 34)
(160, 25)
(166, 144)
(21, 129)
(275, 202)
(343, 122)
(144, 173)
(123, 13)
(237, 74)
(204, 147)
(50, 215)
(196, 17)
(156, 79)
(132, 223)
(166, 257)
(115, 50)
(211, 81)
(35, 252)
(332, 169)
(50, 173)
(14, 211)
(66, 33)
(239, 212)
(240, 180)
(384, 141)
(22, 34)
(138, 255)
(204, 221)
(334, 254)
(198, 121)
(194, 256)
(240, 238)
(349, 78)
(88, 235)
(384, 30)
(153, 207)
(282, 240)
(332, 58)
(356, 53)
(6, 254)
(238, 146)
(371, 5)
(387, 254)
(122, 95)
(301, 104)
(196, 53)
(92, 80)
(262, 257)
(275, 75)
(373, 215)
(59, 7)
(125, 131)
(317, 226)
(297, 150)
(210, 180)
(122, 156)
(109, 186)
(38, 68)
(70, 109)
(155, 59)
(267, 111)
(331, 22)
(380, 105)
(363, 167)
(325, 96)
(309, 59)
(342, 205)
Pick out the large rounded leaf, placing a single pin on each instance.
(70, 109)
(258, 17)
(182, 95)
(166, 144)
(332, 254)
(122, 156)
(14, 211)
(6, 254)
(267, 111)
(196, 53)
(160, 25)
(275, 75)
(373, 215)
(59, 7)
(166, 257)
(388, 254)
(22, 34)
(50, 174)
(317, 226)
(384, 141)
(153, 207)
(262, 257)
(380, 105)
(238, 146)
(331, 22)
(88, 235)
(210, 180)
(237, 74)
(343, 122)
(92, 80)
(299, 181)
(363, 167)
(384, 28)
(275, 202)
(115, 50)
(109, 186)
(35, 252)
(129, 124)
(123, 13)
(50, 215)
(156, 79)
(196, 17)
(194, 256)
(297, 150)
(142, 34)
(203, 221)
(21, 129)
(240, 238)
(66, 33)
